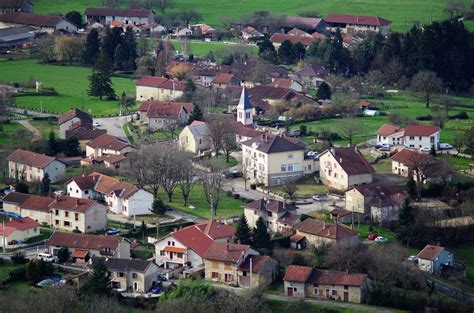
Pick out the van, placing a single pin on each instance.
(45, 257)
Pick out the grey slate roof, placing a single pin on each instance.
(16, 33)
(273, 144)
(114, 264)
(244, 103)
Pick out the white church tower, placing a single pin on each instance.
(245, 109)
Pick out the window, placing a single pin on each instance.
(180, 255)
(289, 167)
(56, 212)
(412, 137)
(86, 192)
(215, 275)
(315, 289)
(66, 214)
(247, 115)
(34, 229)
(290, 156)
(134, 275)
(283, 168)
(419, 137)
(162, 252)
(67, 224)
(295, 289)
(76, 217)
(346, 287)
(121, 274)
(334, 292)
(172, 243)
(169, 243)
(56, 222)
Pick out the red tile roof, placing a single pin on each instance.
(216, 230)
(297, 238)
(30, 19)
(258, 262)
(118, 12)
(410, 158)
(37, 203)
(85, 182)
(356, 19)
(29, 158)
(107, 141)
(72, 204)
(156, 109)
(193, 238)
(327, 277)
(421, 130)
(15, 197)
(109, 185)
(389, 129)
(281, 82)
(312, 71)
(351, 160)
(297, 273)
(160, 82)
(273, 144)
(327, 230)
(250, 30)
(381, 195)
(223, 78)
(72, 113)
(84, 241)
(226, 252)
(430, 252)
(269, 92)
(18, 224)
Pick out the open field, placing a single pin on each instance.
(45, 128)
(401, 12)
(70, 82)
(465, 253)
(227, 206)
(201, 48)
(10, 133)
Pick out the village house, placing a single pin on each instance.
(16, 37)
(82, 247)
(195, 138)
(341, 168)
(46, 23)
(162, 115)
(121, 197)
(306, 282)
(350, 23)
(158, 89)
(106, 16)
(18, 230)
(130, 275)
(231, 263)
(422, 136)
(250, 33)
(275, 95)
(408, 163)
(16, 6)
(390, 134)
(296, 37)
(203, 30)
(287, 83)
(433, 258)
(376, 202)
(186, 247)
(280, 217)
(311, 76)
(318, 232)
(273, 159)
(182, 31)
(307, 24)
(224, 80)
(32, 167)
(72, 119)
(107, 145)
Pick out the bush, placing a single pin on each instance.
(19, 259)
(253, 186)
(236, 196)
(424, 118)
(228, 193)
(16, 275)
(461, 115)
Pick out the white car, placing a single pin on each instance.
(425, 149)
(445, 146)
(45, 257)
(384, 147)
(96, 124)
(381, 239)
(412, 258)
(316, 198)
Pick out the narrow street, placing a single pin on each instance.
(113, 125)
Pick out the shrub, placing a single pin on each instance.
(461, 115)
(424, 118)
(16, 275)
(19, 259)
(236, 196)
(253, 186)
(228, 193)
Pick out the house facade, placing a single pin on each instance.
(73, 118)
(32, 167)
(280, 217)
(390, 135)
(319, 233)
(311, 76)
(106, 16)
(341, 168)
(158, 89)
(107, 145)
(47, 23)
(433, 258)
(249, 33)
(195, 138)
(422, 136)
(18, 230)
(350, 23)
(162, 115)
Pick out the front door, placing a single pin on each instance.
(135, 286)
(346, 296)
(290, 292)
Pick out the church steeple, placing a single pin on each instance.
(245, 109)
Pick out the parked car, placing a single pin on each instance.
(155, 291)
(232, 174)
(445, 146)
(425, 149)
(112, 231)
(312, 153)
(161, 277)
(15, 242)
(294, 133)
(381, 239)
(46, 257)
(372, 236)
(96, 124)
(412, 258)
(384, 147)
(316, 198)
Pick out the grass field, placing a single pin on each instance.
(401, 12)
(70, 82)
(201, 48)
(10, 133)
(227, 206)
(364, 231)
(45, 128)
(465, 253)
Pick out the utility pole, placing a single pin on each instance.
(3, 236)
(250, 279)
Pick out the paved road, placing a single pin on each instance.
(31, 113)
(451, 291)
(113, 125)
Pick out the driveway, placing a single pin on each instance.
(113, 125)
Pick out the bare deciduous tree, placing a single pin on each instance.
(349, 127)
(212, 183)
(458, 142)
(170, 159)
(163, 5)
(421, 166)
(425, 84)
(289, 186)
(229, 144)
(186, 176)
(218, 126)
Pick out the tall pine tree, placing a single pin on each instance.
(406, 214)
(91, 47)
(196, 114)
(100, 82)
(324, 91)
(44, 185)
(242, 232)
(130, 45)
(99, 282)
(261, 237)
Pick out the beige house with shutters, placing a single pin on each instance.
(195, 138)
(32, 167)
(319, 233)
(151, 88)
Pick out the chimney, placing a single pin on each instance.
(340, 160)
(333, 151)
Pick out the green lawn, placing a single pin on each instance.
(458, 162)
(201, 48)
(303, 189)
(401, 12)
(465, 253)
(383, 166)
(221, 161)
(45, 128)
(70, 82)
(6, 268)
(364, 231)
(11, 132)
(128, 132)
(227, 206)
(45, 233)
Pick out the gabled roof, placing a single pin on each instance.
(82, 133)
(299, 21)
(18, 224)
(272, 144)
(16, 33)
(30, 19)
(289, 218)
(156, 109)
(72, 113)
(244, 102)
(226, 252)
(328, 277)
(216, 230)
(351, 160)
(281, 82)
(258, 262)
(271, 205)
(15, 198)
(312, 71)
(389, 129)
(109, 185)
(122, 265)
(269, 92)
(193, 238)
(251, 31)
(356, 19)
(37, 203)
(323, 229)
(297, 273)
(223, 78)
(118, 12)
(199, 129)
(421, 130)
(430, 252)
(410, 158)
(86, 182)
(303, 39)
(381, 195)
(72, 204)
(107, 141)
(160, 82)
(29, 158)
(84, 241)
(298, 32)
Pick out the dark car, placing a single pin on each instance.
(112, 231)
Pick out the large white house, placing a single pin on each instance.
(107, 145)
(341, 168)
(31, 167)
(162, 115)
(412, 136)
(121, 197)
(350, 23)
(280, 217)
(106, 16)
(158, 89)
(390, 134)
